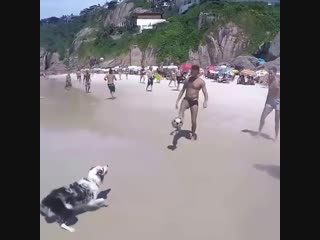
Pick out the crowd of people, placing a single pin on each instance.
(192, 82)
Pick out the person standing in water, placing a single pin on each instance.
(272, 101)
(150, 77)
(110, 78)
(87, 81)
(68, 82)
(192, 87)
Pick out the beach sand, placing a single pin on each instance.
(224, 186)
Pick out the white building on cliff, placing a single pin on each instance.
(148, 20)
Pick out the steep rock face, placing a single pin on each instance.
(270, 50)
(135, 57)
(85, 35)
(223, 46)
(54, 65)
(118, 16)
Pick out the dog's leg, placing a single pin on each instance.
(97, 202)
(65, 227)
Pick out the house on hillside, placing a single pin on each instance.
(147, 20)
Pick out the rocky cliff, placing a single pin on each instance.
(229, 42)
(218, 39)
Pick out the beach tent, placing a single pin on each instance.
(261, 60)
(185, 66)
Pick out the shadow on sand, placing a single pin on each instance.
(272, 170)
(73, 220)
(256, 134)
(177, 135)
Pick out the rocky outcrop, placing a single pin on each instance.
(42, 60)
(269, 50)
(135, 57)
(118, 16)
(53, 64)
(85, 35)
(247, 62)
(229, 42)
(274, 63)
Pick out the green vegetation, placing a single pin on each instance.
(173, 39)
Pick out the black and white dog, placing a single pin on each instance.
(62, 202)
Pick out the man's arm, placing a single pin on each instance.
(205, 94)
(181, 93)
(114, 77)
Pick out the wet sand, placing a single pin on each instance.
(224, 186)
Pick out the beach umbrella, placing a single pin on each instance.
(185, 66)
(248, 72)
(235, 71)
(211, 67)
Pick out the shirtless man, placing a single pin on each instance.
(110, 78)
(192, 86)
(68, 82)
(272, 102)
(120, 72)
(150, 77)
(173, 78)
(87, 81)
(142, 75)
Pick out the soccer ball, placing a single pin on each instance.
(177, 122)
(101, 59)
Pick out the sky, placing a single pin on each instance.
(57, 8)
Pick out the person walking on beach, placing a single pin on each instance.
(127, 72)
(142, 75)
(110, 78)
(173, 78)
(272, 101)
(79, 76)
(192, 87)
(120, 72)
(87, 81)
(180, 78)
(68, 82)
(150, 77)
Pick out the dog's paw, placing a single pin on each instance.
(65, 227)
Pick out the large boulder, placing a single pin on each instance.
(269, 50)
(84, 35)
(54, 64)
(247, 62)
(229, 42)
(267, 65)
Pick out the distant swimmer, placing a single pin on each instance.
(142, 75)
(272, 102)
(87, 81)
(192, 86)
(68, 82)
(79, 76)
(150, 77)
(110, 78)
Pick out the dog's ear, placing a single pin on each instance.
(91, 168)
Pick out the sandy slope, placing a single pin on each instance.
(224, 186)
